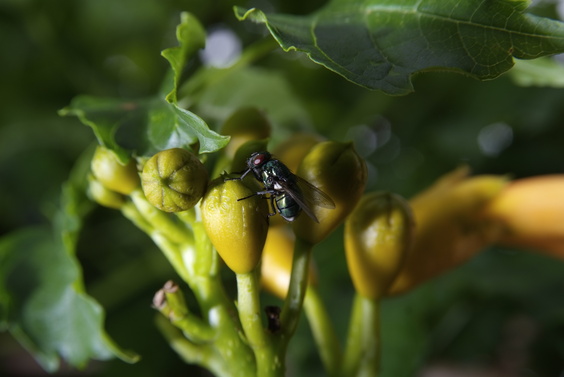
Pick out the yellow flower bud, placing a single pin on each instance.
(378, 234)
(449, 226)
(239, 162)
(337, 170)
(174, 180)
(112, 174)
(236, 228)
(531, 213)
(102, 195)
(276, 265)
(293, 150)
(245, 124)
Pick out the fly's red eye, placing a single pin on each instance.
(259, 159)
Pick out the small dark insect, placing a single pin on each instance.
(289, 194)
(273, 318)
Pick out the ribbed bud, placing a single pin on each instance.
(112, 174)
(337, 170)
(276, 265)
(236, 228)
(378, 234)
(174, 180)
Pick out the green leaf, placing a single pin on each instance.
(149, 125)
(173, 127)
(380, 44)
(257, 87)
(106, 116)
(544, 71)
(42, 299)
(144, 126)
(191, 37)
(41, 307)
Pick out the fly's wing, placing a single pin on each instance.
(306, 195)
(313, 195)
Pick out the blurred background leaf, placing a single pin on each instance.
(57, 50)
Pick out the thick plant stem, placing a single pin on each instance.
(362, 356)
(296, 293)
(190, 352)
(323, 331)
(268, 363)
(161, 221)
(169, 249)
(193, 258)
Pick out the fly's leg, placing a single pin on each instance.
(243, 174)
(271, 198)
(272, 205)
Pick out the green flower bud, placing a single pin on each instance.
(245, 124)
(378, 235)
(174, 180)
(113, 174)
(337, 170)
(236, 228)
(102, 195)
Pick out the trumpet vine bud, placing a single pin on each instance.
(378, 235)
(174, 180)
(531, 214)
(112, 174)
(236, 228)
(247, 123)
(337, 170)
(450, 227)
(276, 265)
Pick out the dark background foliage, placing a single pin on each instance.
(502, 310)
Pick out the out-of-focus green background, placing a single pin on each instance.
(504, 310)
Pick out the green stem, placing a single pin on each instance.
(192, 353)
(248, 304)
(362, 356)
(172, 251)
(296, 293)
(323, 331)
(161, 221)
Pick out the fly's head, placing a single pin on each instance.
(257, 160)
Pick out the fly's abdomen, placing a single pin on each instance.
(287, 207)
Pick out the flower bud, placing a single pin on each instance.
(245, 124)
(449, 226)
(294, 149)
(276, 265)
(102, 195)
(531, 213)
(337, 170)
(113, 174)
(378, 235)
(174, 180)
(239, 162)
(236, 228)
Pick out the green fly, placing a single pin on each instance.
(289, 194)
